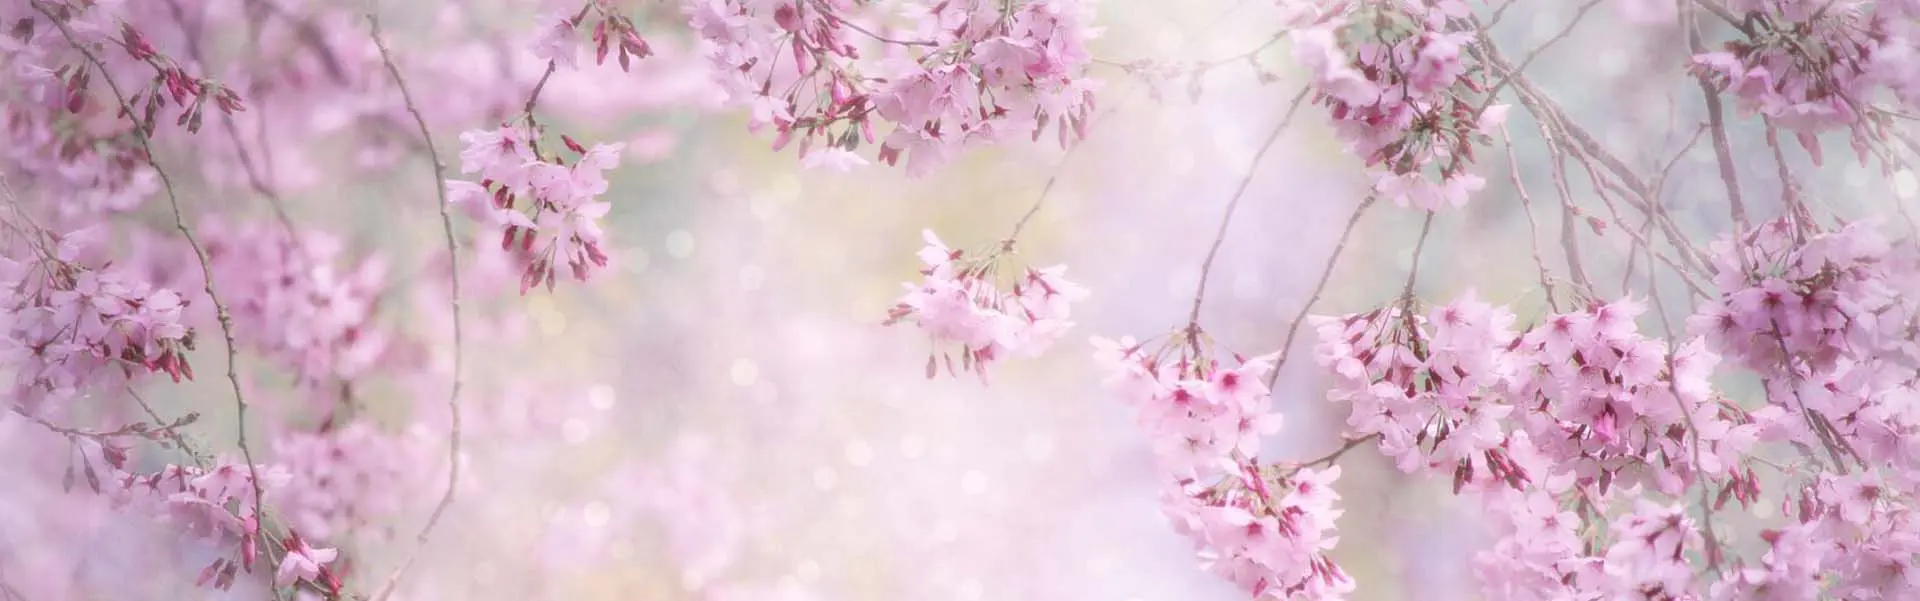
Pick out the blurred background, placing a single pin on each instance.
(722, 414)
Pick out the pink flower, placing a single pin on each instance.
(302, 562)
(559, 40)
(958, 302)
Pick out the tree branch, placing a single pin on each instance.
(453, 258)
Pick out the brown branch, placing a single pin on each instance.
(1714, 551)
(233, 134)
(1577, 141)
(179, 439)
(1413, 271)
(1533, 224)
(1578, 15)
(1569, 233)
(1716, 119)
(453, 258)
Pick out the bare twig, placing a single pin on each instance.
(1332, 456)
(453, 258)
(1293, 329)
(1533, 224)
(1206, 266)
(1714, 552)
(1569, 233)
(179, 439)
(1413, 271)
(1578, 15)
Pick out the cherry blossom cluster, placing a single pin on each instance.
(216, 505)
(1448, 390)
(92, 174)
(559, 41)
(1265, 527)
(75, 322)
(296, 302)
(1612, 405)
(1850, 537)
(548, 209)
(1815, 66)
(963, 302)
(1827, 319)
(956, 75)
(93, 168)
(1403, 96)
(342, 477)
(104, 25)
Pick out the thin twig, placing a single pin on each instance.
(1714, 552)
(1533, 223)
(233, 134)
(1569, 232)
(1494, 91)
(1133, 93)
(1413, 272)
(179, 439)
(1293, 329)
(1206, 266)
(1334, 455)
(1725, 15)
(453, 258)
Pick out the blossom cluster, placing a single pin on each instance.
(960, 302)
(1850, 535)
(215, 504)
(1581, 406)
(1265, 527)
(549, 209)
(958, 74)
(1827, 319)
(296, 302)
(1815, 66)
(559, 41)
(74, 322)
(341, 477)
(1403, 96)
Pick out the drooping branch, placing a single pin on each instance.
(453, 270)
(224, 318)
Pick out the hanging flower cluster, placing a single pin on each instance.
(296, 302)
(1809, 67)
(962, 301)
(1827, 319)
(74, 323)
(955, 75)
(1265, 527)
(342, 476)
(1403, 95)
(549, 209)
